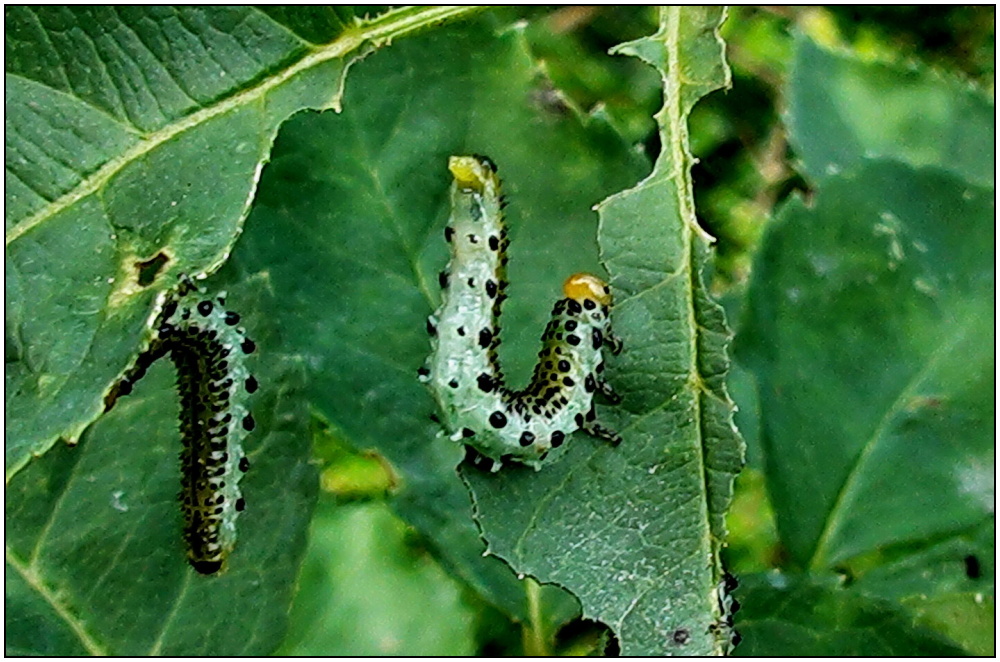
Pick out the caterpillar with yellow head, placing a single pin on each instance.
(463, 371)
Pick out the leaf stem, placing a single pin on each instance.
(533, 637)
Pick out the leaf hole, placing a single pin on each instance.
(972, 570)
(148, 270)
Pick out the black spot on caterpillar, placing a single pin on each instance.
(463, 372)
(208, 351)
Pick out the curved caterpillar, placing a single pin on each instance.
(207, 349)
(463, 371)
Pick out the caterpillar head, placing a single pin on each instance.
(475, 172)
(582, 287)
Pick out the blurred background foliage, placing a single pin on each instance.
(368, 585)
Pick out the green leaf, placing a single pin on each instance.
(95, 559)
(365, 591)
(869, 330)
(348, 227)
(135, 133)
(842, 110)
(877, 410)
(634, 531)
(791, 615)
(958, 601)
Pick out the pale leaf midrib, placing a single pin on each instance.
(672, 104)
(382, 29)
(691, 232)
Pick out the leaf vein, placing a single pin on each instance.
(35, 582)
(833, 517)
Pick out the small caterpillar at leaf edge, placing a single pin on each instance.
(463, 371)
(208, 350)
(722, 628)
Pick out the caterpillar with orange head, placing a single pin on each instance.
(463, 371)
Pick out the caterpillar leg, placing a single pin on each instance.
(613, 342)
(595, 429)
(609, 393)
(478, 459)
(592, 427)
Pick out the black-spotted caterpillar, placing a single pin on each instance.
(207, 348)
(722, 629)
(463, 370)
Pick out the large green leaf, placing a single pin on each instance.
(348, 227)
(136, 133)
(94, 555)
(870, 331)
(634, 531)
(842, 110)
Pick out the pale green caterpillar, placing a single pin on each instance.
(207, 348)
(463, 372)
